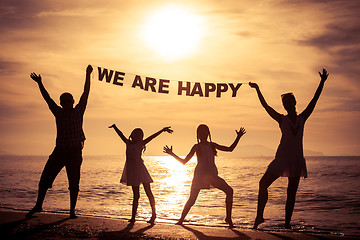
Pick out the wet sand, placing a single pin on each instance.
(14, 225)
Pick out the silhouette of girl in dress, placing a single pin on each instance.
(289, 159)
(206, 173)
(135, 172)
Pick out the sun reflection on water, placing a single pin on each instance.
(176, 174)
(174, 180)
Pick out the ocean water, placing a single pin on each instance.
(328, 201)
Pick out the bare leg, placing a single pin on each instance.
(136, 193)
(264, 183)
(73, 174)
(152, 202)
(194, 192)
(290, 201)
(73, 199)
(222, 185)
(39, 202)
(52, 167)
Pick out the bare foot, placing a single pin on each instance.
(258, 221)
(34, 210)
(287, 226)
(152, 219)
(132, 220)
(230, 222)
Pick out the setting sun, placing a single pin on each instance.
(173, 32)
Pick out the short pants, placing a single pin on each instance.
(71, 159)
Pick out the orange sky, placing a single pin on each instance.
(281, 45)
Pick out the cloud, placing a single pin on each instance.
(9, 67)
(346, 63)
(9, 111)
(335, 35)
(341, 104)
(15, 14)
(340, 42)
(75, 12)
(341, 28)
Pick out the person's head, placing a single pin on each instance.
(67, 101)
(289, 102)
(136, 135)
(203, 132)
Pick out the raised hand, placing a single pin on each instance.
(241, 132)
(253, 85)
(168, 150)
(89, 69)
(35, 77)
(324, 75)
(167, 129)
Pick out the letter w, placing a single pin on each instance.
(106, 74)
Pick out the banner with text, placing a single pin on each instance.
(166, 86)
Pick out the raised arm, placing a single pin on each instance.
(309, 109)
(165, 129)
(44, 93)
(274, 114)
(121, 135)
(85, 95)
(182, 160)
(239, 133)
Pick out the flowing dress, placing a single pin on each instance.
(289, 159)
(205, 173)
(135, 172)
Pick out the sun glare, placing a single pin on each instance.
(171, 163)
(173, 32)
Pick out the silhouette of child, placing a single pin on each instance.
(206, 173)
(135, 172)
(289, 159)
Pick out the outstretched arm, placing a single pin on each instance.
(121, 135)
(165, 129)
(274, 114)
(240, 133)
(309, 109)
(85, 95)
(44, 93)
(182, 160)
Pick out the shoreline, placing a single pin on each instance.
(14, 225)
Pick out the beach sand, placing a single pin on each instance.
(14, 225)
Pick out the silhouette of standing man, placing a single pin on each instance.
(69, 142)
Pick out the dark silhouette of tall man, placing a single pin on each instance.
(69, 142)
